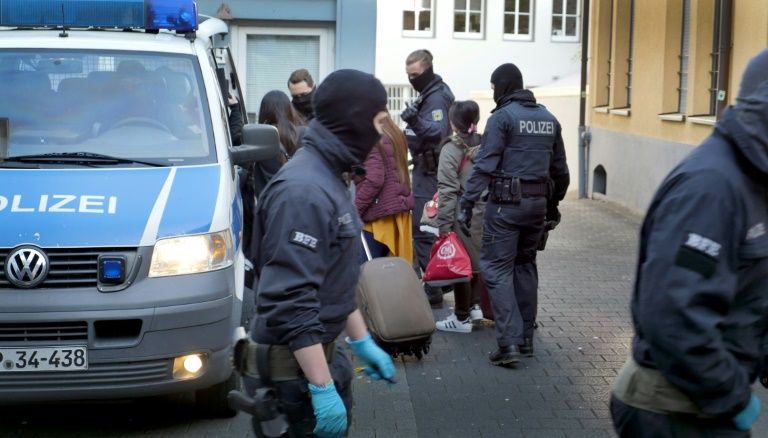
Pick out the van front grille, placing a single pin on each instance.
(69, 267)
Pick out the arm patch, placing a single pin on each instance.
(696, 261)
(303, 239)
(437, 115)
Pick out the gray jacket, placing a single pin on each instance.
(450, 187)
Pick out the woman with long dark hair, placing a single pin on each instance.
(383, 196)
(276, 110)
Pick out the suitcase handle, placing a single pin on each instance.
(365, 246)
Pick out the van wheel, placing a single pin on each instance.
(212, 401)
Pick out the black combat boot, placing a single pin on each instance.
(505, 356)
(526, 348)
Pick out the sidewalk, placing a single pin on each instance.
(586, 277)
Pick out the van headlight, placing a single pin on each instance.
(192, 254)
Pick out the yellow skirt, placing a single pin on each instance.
(395, 232)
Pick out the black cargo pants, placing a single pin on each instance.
(511, 234)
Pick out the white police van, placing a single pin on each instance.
(121, 267)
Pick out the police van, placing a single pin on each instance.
(121, 260)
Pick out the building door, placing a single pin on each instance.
(272, 54)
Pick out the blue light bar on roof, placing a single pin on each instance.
(180, 15)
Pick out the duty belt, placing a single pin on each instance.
(274, 363)
(509, 190)
(647, 389)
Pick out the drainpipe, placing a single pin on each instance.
(584, 135)
(724, 58)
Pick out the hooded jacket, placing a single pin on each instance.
(451, 183)
(306, 233)
(699, 302)
(379, 193)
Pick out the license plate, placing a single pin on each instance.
(64, 358)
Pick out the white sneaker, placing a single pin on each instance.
(452, 324)
(476, 314)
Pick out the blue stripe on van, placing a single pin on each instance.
(237, 219)
(192, 201)
(74, 207)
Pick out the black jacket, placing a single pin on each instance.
(305, 240)
(425, 134)
(521, 139)
(700, 303)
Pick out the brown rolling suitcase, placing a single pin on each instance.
(394, 306)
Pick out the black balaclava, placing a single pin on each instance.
(421, 81)
(345, 103)
(506, 79)
(303, 104)
(755, 74)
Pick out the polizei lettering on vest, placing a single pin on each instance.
(537, 127)
(97, 204)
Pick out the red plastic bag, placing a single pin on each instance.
(448, 263)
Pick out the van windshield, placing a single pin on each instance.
(131, 105)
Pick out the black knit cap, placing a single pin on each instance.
(506, 79)
(345, 103)
(755, 74)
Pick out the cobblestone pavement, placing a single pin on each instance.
(583, 338)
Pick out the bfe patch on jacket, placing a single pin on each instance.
(437, 115)
(699, 254)
(303, 239)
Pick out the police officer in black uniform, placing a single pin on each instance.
(306, 235)
(522, 164)
(701, 294)
(428, 125)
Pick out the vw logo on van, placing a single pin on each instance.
(26, 267)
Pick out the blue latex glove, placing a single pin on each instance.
(330, 412)
(379, 362)
(746, 418)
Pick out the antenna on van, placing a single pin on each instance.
(63, 33)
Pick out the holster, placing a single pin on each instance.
(429, 161)
(268, 364)
(543, 240)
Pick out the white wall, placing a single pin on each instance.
(466, 65)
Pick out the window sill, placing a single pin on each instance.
(702, 120)
(513, 37)
(418, 34)
(601, 109)
(565, 39)
(468, 36)
(672, 117)
(624, 112)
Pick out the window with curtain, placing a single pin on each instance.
(468, 18)
(418, 17)
(518, 20)
(270, 60)
(565, 20)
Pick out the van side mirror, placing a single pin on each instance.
(260, 142)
